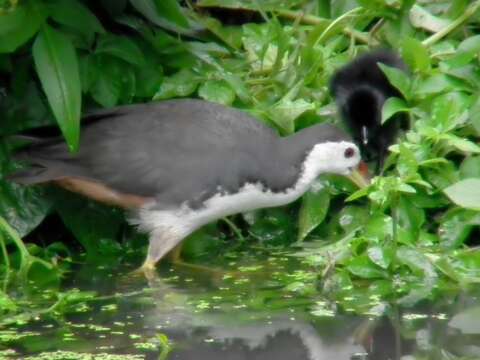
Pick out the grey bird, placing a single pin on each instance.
(180, 164)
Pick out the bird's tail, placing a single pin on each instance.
(37, 155)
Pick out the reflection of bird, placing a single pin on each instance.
(360, 89)
(180, 164)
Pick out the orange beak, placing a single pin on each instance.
(360, 176)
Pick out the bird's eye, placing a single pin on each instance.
(349, 152)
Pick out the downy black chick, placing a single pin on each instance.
(360, 89)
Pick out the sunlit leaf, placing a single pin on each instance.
(465, 193)
(363, 267)
(314, 208)
(217, 91)
(393, 106)
(398, 78)
(415, 54)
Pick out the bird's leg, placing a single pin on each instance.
(161, 243)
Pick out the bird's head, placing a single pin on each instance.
(337, 157)
(342, 158)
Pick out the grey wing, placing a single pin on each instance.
(177, 151)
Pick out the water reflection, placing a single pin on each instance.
(247, 314)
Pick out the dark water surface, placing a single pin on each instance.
(264, 307)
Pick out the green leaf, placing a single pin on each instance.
(398, 78)
(284, 113)
(57, 67)
(363, 267)
(75, 15)
(422, 18)
(460, 143)
(120, 47)
(474, 114)
(314, 209)
(466, 52)
(20, 25)
(410, 216)
(456, 226)
(22, 207)
(470, 167)
(381, 256)
(171, 10)
(181, 84)
(114, 83)
(415, 54)
(217, 91)
(465, 193)
(448, 110)
(393, 106)
(148, 8)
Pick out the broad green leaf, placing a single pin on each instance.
(381, 255)
(284, 113)
(181, 84)
(20, 25)
(171, 10)
(57, 67)
(466, 52)
(77, 16)
(465, 193)
(418, 263)
(470, 167)
(456, 226)
(217, 91)
(448, 110)
(314, 209)
(398, 78)
(363, 267)
(115, 81)
(474, 114)
(461, 143)
(439, 83)
(407, 164)
(121, 47)
(22, 207)
(420, 17)
(148, 8)
(393, 106)
(410, 216)
(148, 79)
(415, 54)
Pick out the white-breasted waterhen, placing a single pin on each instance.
(180, 164)
(360, 89)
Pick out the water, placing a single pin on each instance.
(263, 307)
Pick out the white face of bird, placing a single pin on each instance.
(333, 157)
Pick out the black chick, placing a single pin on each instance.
(360, 89)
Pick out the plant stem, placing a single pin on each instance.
(315, 20)
(12, 234)
(234, 228)
(453, 25)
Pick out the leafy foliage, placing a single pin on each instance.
(411, 228)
